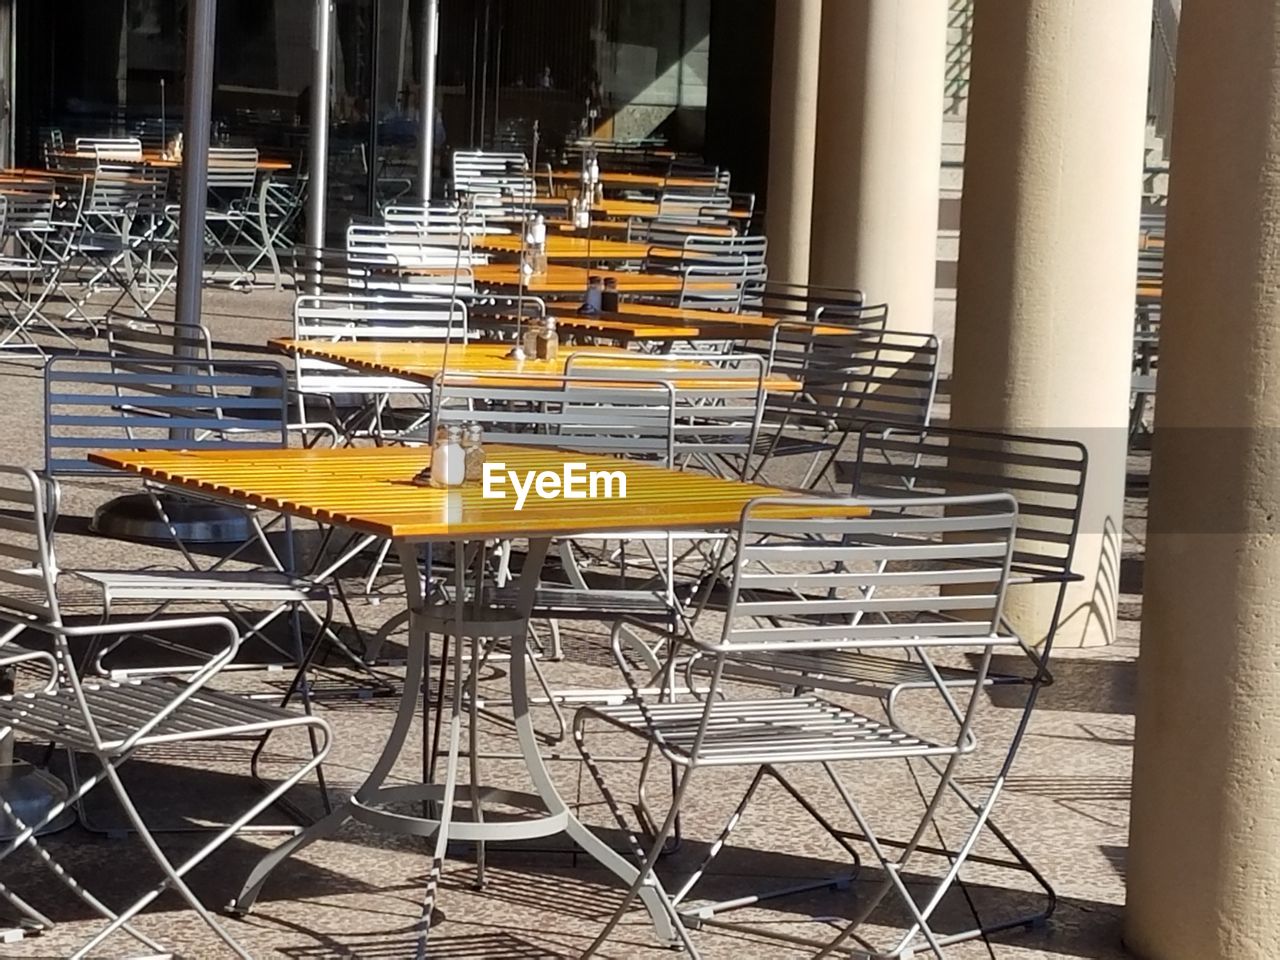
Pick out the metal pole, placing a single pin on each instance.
(202, 18)
(375, 50)
(317, 198)
(427, 102)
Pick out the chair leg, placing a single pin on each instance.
(892, 868)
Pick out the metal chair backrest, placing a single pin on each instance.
(434, 220)
(853, 377)
(28, 572)
(139, 338)
(334, 317)
(124, 149)
(1045, 475)
(116, 189)
(914, 573)
(478, 169)
(29, 208)
(719, 401)
(834, 305)
(410, 246)
(336, 272)
(100, 402)
(588, 414)
(232, 168)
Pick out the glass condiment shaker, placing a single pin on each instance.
(548, 344)
(473, 451)
(448, 460)
(609, 299)
(538, 238)
(529, 340)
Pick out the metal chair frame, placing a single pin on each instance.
(114, 720)
(833, 597)
(850, 378)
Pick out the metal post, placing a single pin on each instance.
(427, 101)
(375, 51)
(317, 198)
(202, 18)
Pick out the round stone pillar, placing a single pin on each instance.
(879, 153)
(1204, 853)
(1048, 258)
(792, 132)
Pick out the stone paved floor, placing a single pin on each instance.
(359, 894)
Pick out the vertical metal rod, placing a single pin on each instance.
(427, 105)
(471, 91)
(317, 199)
(375, 49)
(202, 19)
(484, 76)
(497, 84)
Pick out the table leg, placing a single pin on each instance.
(555, 816)
(601, 852)
(405, 713)
(263, 225)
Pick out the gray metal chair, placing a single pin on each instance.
(113, 720)
(148, 401)
(815, 584)
(1047, 477)
(850, 378)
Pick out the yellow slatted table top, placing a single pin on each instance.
(561, 247)
(489, 363)
(651, 210)
(639, 181)
(692, 323)
(371, 489)
(154, 159)
(561, 278)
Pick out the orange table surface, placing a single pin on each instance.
(153, 159)
(371, 489)
(691, 321)
(563, 278)
(647, 210)
(489, 362)
(562, 247)
(638, 181)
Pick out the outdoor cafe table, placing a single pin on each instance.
(659, 322)
(267, 168)
(486, 362)
(623, 180)
(567, 248)
(563, 280)
(371, 491)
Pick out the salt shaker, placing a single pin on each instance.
(548, 344)
(538, 242)
(530, 339)
(473, 451)
(448, 460)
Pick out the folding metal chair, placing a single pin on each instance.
(33, 272)
(113, 720)
(1047, 477)
(145, 400)
(864, 375)
(813, 584)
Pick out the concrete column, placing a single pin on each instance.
(879, 152)
(1048, 258)
(793, 123)
(1204, 849)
